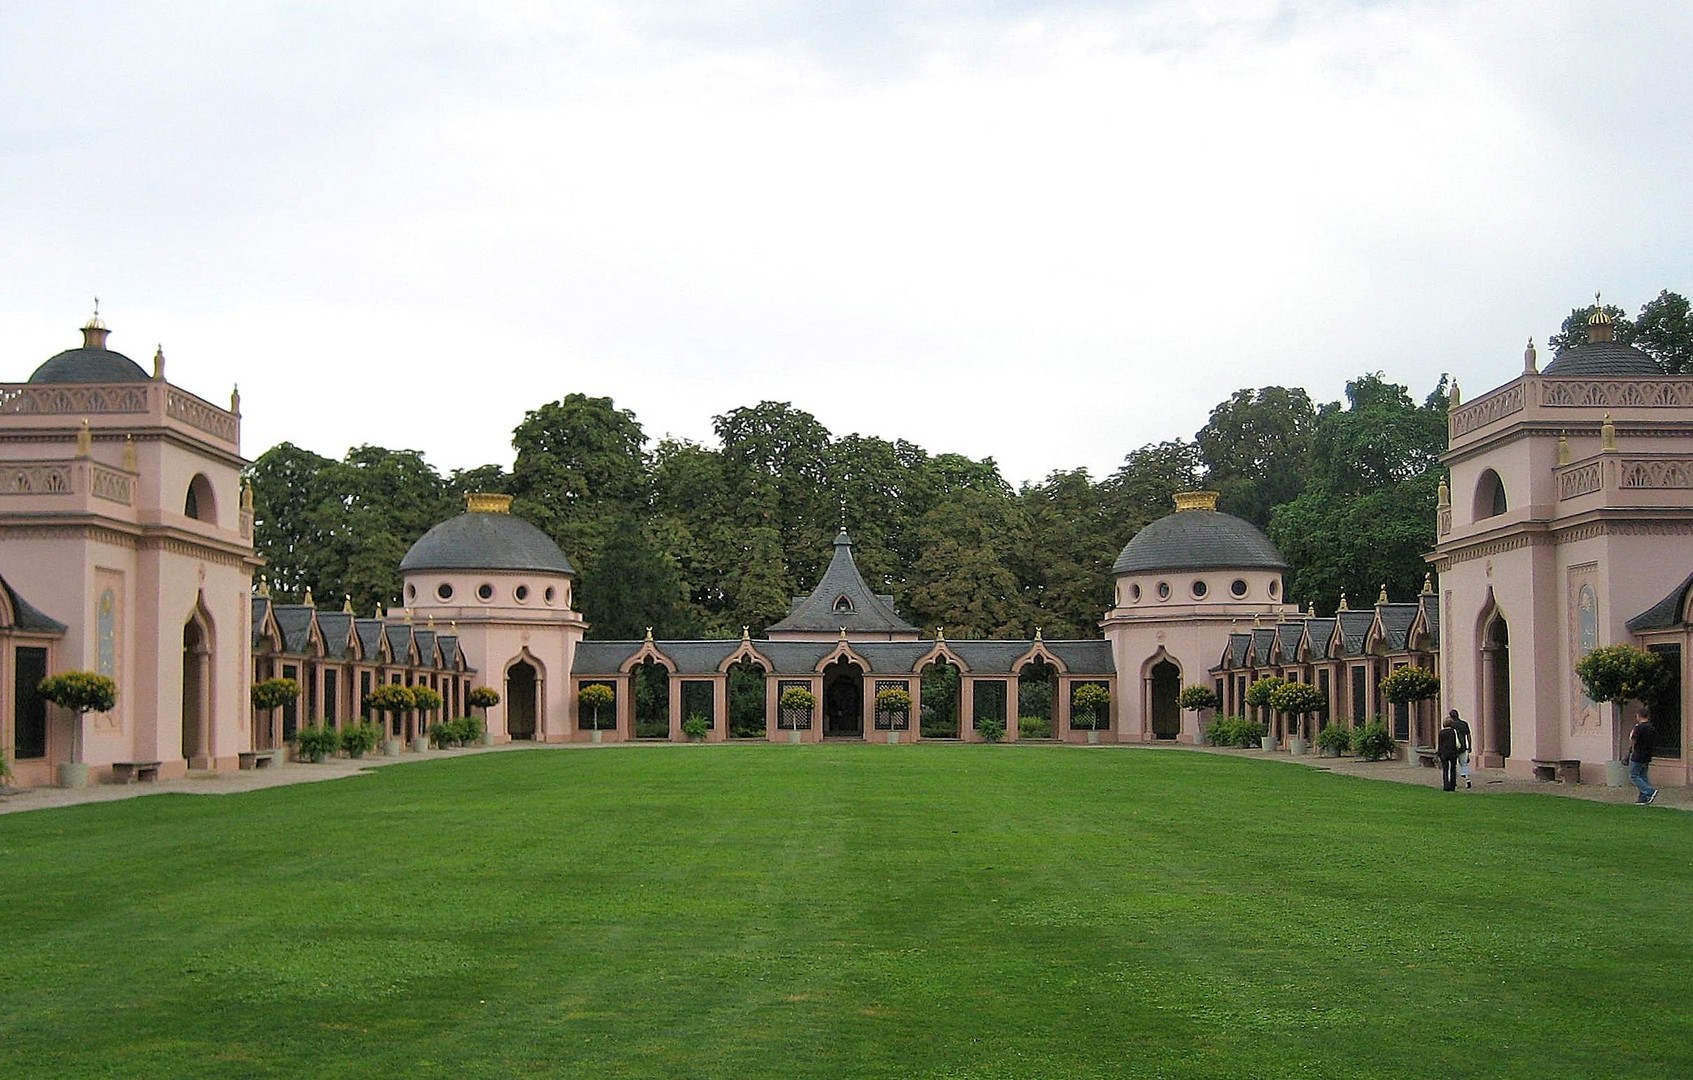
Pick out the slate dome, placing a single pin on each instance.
(1603, 358)
(93, 363)
(1198, 537)
(486, 537)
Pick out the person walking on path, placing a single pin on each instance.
(1641, 742)
(1446, 749)
(1463, 728)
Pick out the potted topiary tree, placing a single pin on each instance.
(426, 701)
(484, 698)
(273, 694)
(894, 703)
(1259, 695)
(795, 707)
(82, 692)
(388, 699)
(594, 697)
(1298, 700)
(1198, 698)
(1409, 685)
(1089, 704)
(1619, 674)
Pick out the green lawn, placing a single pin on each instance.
(836, 911)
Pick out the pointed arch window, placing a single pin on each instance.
(843, 605)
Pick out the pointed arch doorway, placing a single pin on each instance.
(1496, 690)
(1163, 686)
(843, 700)
(196, 691)
(522, 708)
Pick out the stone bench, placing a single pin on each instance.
(258, 759)
(128, 772)
(1426, 756)
(1562, 769)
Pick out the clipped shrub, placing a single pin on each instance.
(359, 739)
(1298, 699)
(795, 707)
(1196, 697)
(696, 726)
(992, 728)
(390, 698)
(893, 709)
(1373, 741)
(483, 697)
(426, 699)
(1034, 727)
(440, 735)
(594, 697)
(1089, 704)
(1410, 684)
(1335, 739)
(1621, 673)
(79, 691)
(274, 693)
(316, 743)
(1258, 695)
(1236, 731)
(472, 727)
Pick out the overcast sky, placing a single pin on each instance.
(1045, 232)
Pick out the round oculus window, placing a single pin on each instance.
(1134, 592)
(522, 593)
(1163, 590)
(1200, 589)
(1275, 587)
(484, 592)
(411, 592)
(550, 594)
(1239, 587)
(444, 591)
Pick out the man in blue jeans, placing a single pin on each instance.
(1641, 743)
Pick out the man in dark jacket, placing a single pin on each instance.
(1462, 727)
(1641, 742)
(1446, 749)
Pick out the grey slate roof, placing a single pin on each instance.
(1354, 627)
(1321, 634)
(1240, 648)
(27, 616)
(600, 658)
(370, 637)
(1198, 540)
(1603, 358)
(451, 654)
(1288, 637)
(1263, 644)
(1430, 605)
(87, 365)
(399, 641)
(1665, 613)
(425, 646)
(261, 605)
(1396, 620)
(337, 630)
(870, 612)
(483, 541)
(295, 622)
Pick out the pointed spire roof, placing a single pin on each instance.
(844, 601)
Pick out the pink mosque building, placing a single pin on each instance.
(126, 548)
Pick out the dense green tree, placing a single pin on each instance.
(1067, 571)
(964, 578)
(1367, 516)
(288, 497)
(633, 585)
(1256, 450)
(1664, 331)
(581, 468)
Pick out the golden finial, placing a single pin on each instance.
(129, 453)
(940, 633)
(430, 624)
(843, 633)
(1598, 315)
(235, 400)
(247, 496)
(1454, 397)
(346, 603)
(1343, 606)
(1563, 449)
(1428, 584)
(84, 439)
(407, 613)
(308, 601)
(264, 586)
(159, 362)
(1530, 364)
(1445, 494)
(745, 635)
(94, 322)
(1607, 433)
(1382, 598)
(1195, 500)
(1599, 325)
(1037, 634)
(1256, 622)
(378, 609)
(649, 635)
(453, 625)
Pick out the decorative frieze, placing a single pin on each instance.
(58, 398)
(113, 486)
(1580, 480)
(1617, 393)
(1656, 472)
(30, 478)
(196, 413)
(1481, 413)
